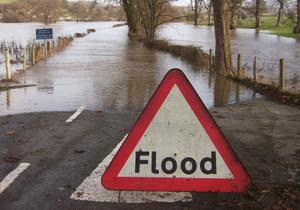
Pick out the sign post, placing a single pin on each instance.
(44, 34)
(176, 145)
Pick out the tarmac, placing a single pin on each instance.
(53, 158)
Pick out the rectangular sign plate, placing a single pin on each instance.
(45, 33)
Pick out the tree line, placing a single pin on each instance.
(243, 8)
(147, 15)
(51, 11)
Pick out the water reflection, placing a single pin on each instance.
(105, 71)
(221, 90)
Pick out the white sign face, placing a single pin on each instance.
(175, 144)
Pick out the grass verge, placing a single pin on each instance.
(269, 91)
(193, 55)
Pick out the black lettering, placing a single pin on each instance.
(212, 160)
(153, 164)
(138, 160)
(193, 163)
(164, 165)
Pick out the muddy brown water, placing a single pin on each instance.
(108, 71)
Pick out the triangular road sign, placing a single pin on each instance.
(176, 145)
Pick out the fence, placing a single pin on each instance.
(266, 71)
(29, 55)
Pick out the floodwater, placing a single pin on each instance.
(267, 47)
(108, 71)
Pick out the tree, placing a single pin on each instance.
(46, 11)
(297, 28)
(130, 8)
(78, 10)
(209, 12)
(280, 4)
(196, 6)
(153, 13)
(255, 8)
(235, 6)
(257, 13)
(222, 34)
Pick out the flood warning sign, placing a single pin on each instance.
(176, 146)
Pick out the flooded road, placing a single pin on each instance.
(107, 71)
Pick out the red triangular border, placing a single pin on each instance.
(239, 183)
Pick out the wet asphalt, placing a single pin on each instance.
(265, 135)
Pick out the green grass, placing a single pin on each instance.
(269, 23)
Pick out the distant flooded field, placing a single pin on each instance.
(104, 71)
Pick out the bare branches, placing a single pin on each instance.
(46, 11)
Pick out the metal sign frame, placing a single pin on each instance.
(239, 183)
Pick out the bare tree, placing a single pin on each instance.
(235, 6)
(222, 33)
(79, 10)
(46, 11)
(209, 13)
(281, 4)
(258, 13)
(255, 8)
(153, 13)
(196, 6)
(130, 9)
(297, 28)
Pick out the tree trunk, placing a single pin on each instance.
(131, 15)
(297, 28)
(222, 33)
(279, 15)
(196, 12)
(257, 14)
(234, 13)
(233, 18)
(209, 13)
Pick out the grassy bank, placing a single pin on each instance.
(269, 91)
(193, 55)
(269, 23)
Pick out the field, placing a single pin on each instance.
(269, 23)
